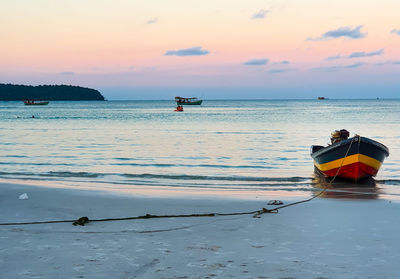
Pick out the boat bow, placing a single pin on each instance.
(354, 158)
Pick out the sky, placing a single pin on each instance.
(156, 49)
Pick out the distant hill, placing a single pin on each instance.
(11, 92)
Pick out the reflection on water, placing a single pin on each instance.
(346, 189)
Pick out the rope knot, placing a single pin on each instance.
(264, 210)
(81, 221)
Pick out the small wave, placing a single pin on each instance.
(16, 173)
(245, 187)
(71, 174)
(389, 181)
(149, 176)
(219, 178)
(193, 166)
(15, 156)
(52, 174)
(36, 164)
(145, 165)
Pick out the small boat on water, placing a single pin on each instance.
(187, 101)
(350, 158)
(322, 98)
(35, 102)
(179, 108)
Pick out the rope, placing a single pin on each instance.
(328, 185)
(256, 213)
(83, 220)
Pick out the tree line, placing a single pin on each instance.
(12, 92)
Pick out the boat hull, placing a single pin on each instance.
(364, 158)
(36, 103)
(189, 103)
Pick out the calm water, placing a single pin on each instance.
(242, 145)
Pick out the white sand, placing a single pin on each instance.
(324, 238)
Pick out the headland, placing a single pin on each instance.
(12, 92)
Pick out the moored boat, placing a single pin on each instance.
(187, 101)
(35, 102)
(351, 158)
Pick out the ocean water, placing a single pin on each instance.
(241, 145)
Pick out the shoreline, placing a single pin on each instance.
(324, 238)
(339, 191)
(163, 191)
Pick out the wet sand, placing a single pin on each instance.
(324, 238)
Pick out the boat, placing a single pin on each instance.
(187, 101)
(179, 108)
(36, 102)
(349, 158)
(322, 98)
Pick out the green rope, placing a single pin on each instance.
(84, 220)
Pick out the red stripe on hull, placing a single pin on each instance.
(354, 171)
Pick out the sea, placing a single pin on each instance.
(254, 147)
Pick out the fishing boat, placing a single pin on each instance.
(36, 102)
(187, 101)
(350, 158)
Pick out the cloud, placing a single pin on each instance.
(355, 65)
(389, 62)
(278, 71)
(327, 69)
(338, 67)
(342, 32)
(260, 14)
(358, 54)
(366, 54)
(395, 31)
(283, 62)
(256, 62)
(152, 21)
(66, 73)
(334, 57)
(193, 51)
(150, 69)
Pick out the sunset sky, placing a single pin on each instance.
(156, 49)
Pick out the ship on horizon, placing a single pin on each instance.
(187, 101)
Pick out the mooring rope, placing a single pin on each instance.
(83, 220)
(328, 185)
(256, 213)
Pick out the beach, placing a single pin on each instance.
(323, 238)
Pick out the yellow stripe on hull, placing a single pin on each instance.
(350, 160)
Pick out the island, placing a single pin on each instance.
(12, 92)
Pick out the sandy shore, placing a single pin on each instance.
(324, 238)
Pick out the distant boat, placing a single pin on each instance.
(187, 101)
(322, 98)
(36, 103)
(179, 108)
(351, 158)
